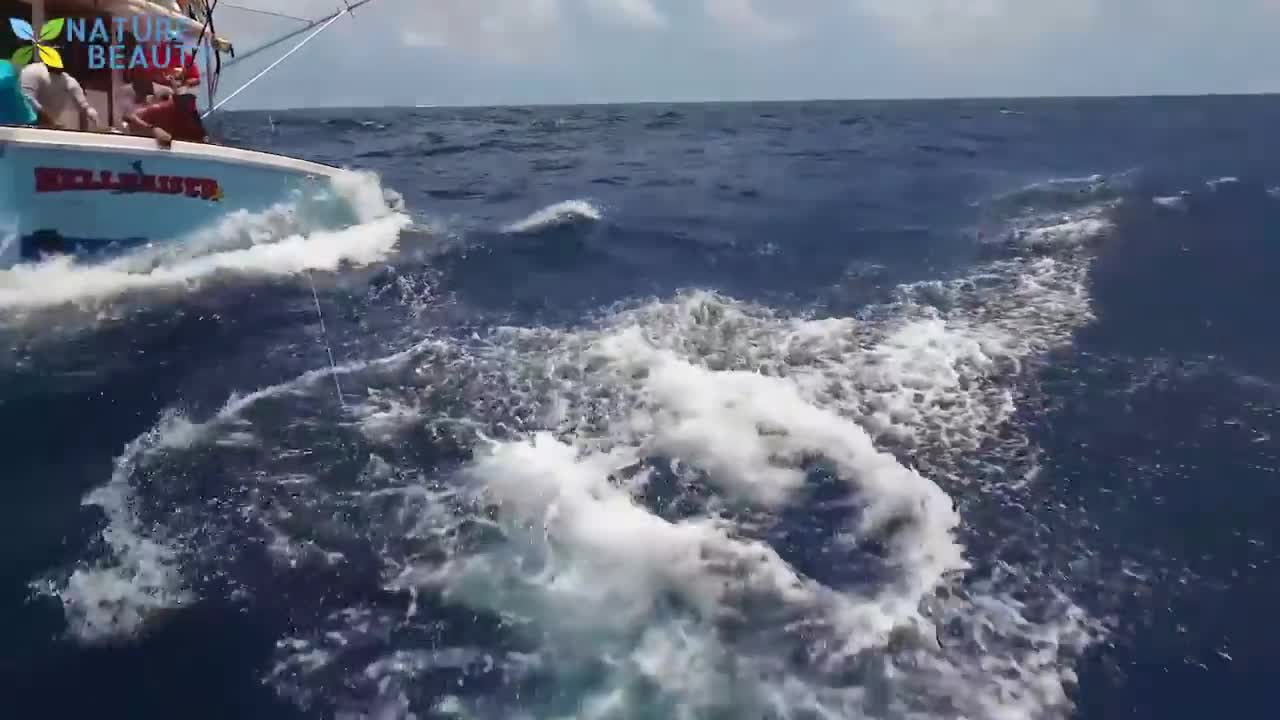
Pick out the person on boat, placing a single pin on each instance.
(137, 92)
(182, 70)
(185, 64)
(140, 86)
(176, 118)
(50, 91)
(14, 108)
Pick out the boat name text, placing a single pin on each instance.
(68, 179)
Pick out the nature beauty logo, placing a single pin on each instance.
(49, 32)
(156, 42)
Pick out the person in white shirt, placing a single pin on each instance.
(51, 91)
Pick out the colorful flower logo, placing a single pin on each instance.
(48, 54)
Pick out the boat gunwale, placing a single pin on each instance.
(132, 144)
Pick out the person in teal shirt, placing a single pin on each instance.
(14, 108)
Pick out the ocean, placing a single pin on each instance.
(802, 411)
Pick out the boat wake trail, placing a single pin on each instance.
(288, 239)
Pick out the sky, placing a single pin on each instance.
(501, 52)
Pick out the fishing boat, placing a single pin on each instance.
(91, 193)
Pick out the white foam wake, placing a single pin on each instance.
(1172, 202)
(699, 608)
(621, 522)
(561, 213)
(140, 576)
(284, 240)
(115, 596)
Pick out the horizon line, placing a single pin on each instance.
(770, 101)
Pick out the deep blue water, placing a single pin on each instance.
(1058, 312)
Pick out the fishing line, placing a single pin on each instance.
(324, 336)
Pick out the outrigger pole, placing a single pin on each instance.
(294, 33)
(324, 24)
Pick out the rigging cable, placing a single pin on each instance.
(269, 12)
(294, 33)
(272, 66)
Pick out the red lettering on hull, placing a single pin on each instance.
(50, 180)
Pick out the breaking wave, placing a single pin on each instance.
(561, 213)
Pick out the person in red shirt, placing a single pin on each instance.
(183, 66)
(175, 118)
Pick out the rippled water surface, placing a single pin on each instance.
(929, 410)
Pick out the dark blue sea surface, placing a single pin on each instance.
(947, 409)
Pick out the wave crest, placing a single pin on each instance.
(561, 213)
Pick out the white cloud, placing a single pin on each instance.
(638, 13)
(745, 19)
(521, 30)
(507, 29)
(510, 30)
(946, 25)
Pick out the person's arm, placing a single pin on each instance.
(137, 123)
(88, 116)
(181, 77)
(45, 120)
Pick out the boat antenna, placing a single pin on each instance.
(325, 26)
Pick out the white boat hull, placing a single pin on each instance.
(92, 193)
